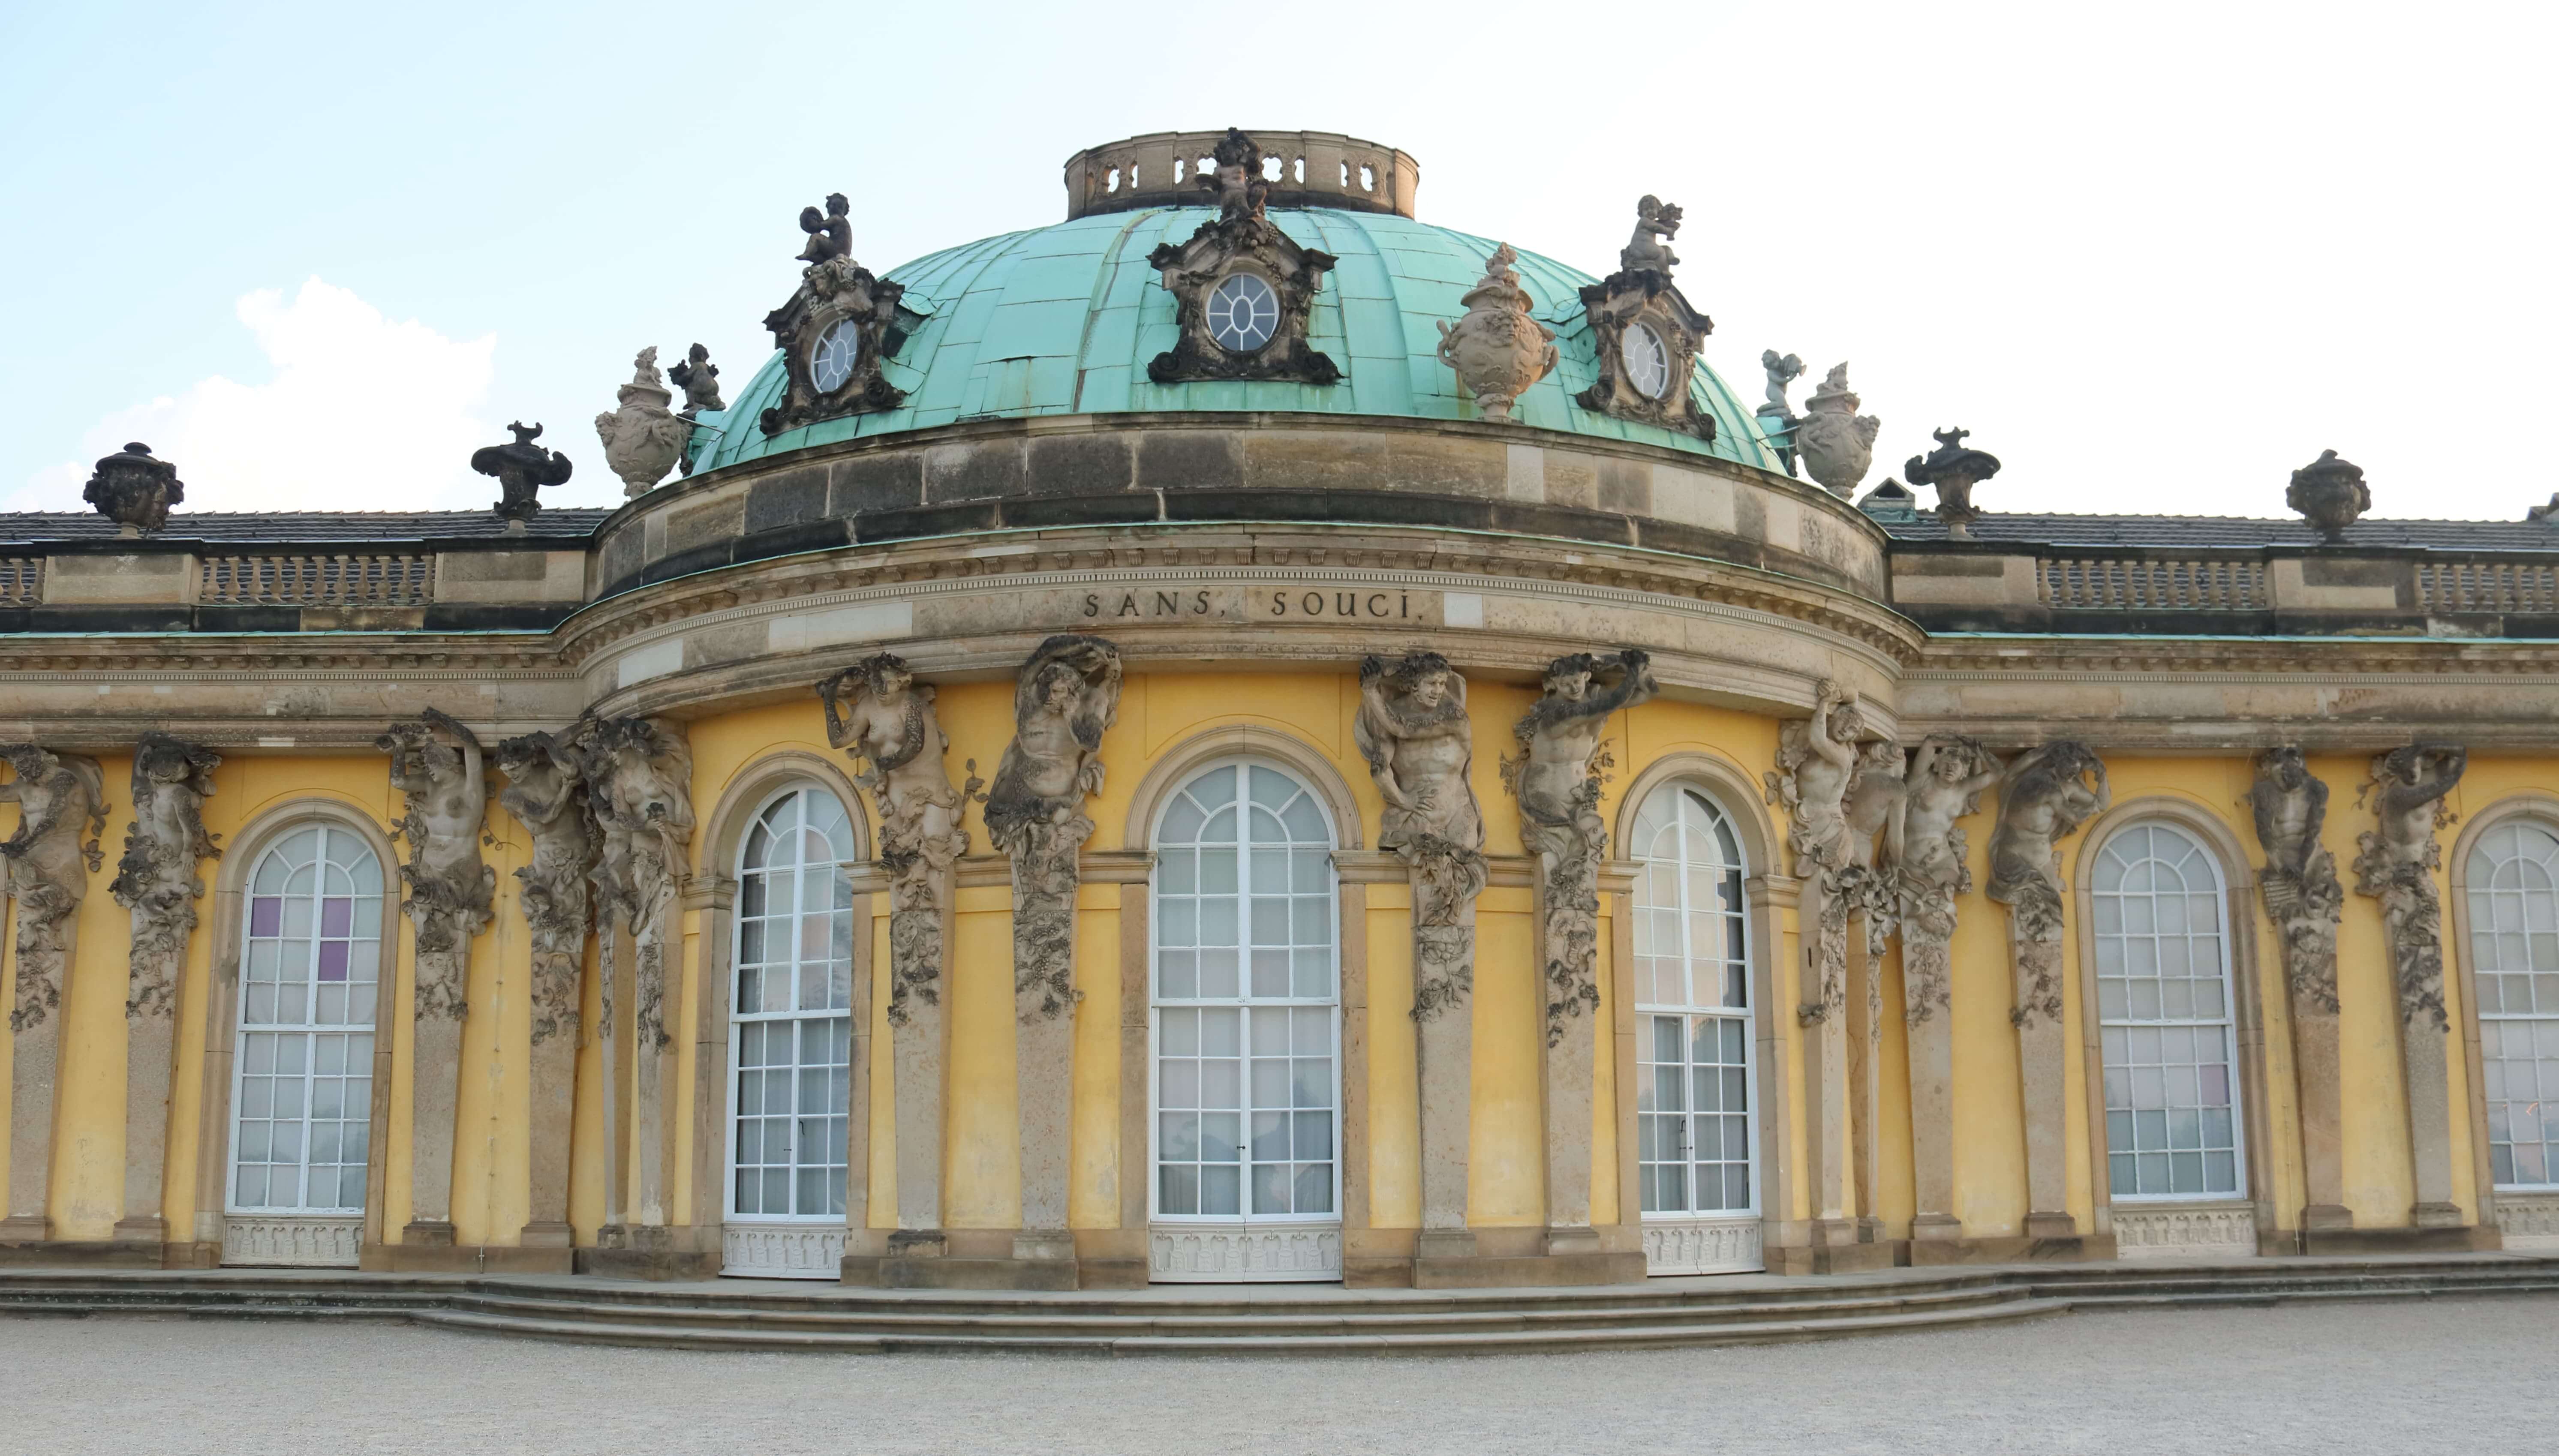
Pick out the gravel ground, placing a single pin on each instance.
(2383, 1377)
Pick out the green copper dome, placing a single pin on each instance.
(1062, 320)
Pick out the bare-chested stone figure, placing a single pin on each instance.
(1560, 818)
(1927, 855)
(2299, 885)
(2396, 861)
(879, 714)
(2047, 793)
(450, 889)
(61, 802)
(547, 794)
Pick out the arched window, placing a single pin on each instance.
(2163, 1013)
(2513, 886)
(310, 973)
(791, 1022)
(1695, 1139)
(1247, 1030)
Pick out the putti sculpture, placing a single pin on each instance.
(698, 377)
(522, 468)
(1065, 698)
(1498, 349)
(134, 490)
(2394, 863)
(1559, 824)
(1776, 415)
(836, 330)
(547, 794)
(887, 722)
(2047, 793)
(62, 811)
(1837, 443)
(642, 439)
(157, 882)
(1242, 287)
(1954, 469)
(2300, 888)
(446, 805)
(1413, 733)
(1646, 333)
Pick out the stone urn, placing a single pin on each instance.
(1497, 349)
(134, 490)
(1953, 469)
(1836, 442)
(2329, 494)
(644, 438)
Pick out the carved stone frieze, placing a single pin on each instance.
(450, 889)
(1242, 288)
(2047, 793)
(156, 878)
(1558, 797)
(2298, 883)
(837, 330)
(1066, 696)
(2395, 865)
(887, 720)
(1498, 349)
(1645, 333)
(547, 794)
(62, 811)
(1953, 468)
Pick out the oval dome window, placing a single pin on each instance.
(831, 358)
(1243, 313)
(1648, 364)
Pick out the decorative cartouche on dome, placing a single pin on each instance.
(1954, 469)
(1837, 443)
(522, 468)
(838, 329)
(1242, 288)
(134, 490)
(1646, 333)
(644, 438)
(1498, 350)
(2329, 494)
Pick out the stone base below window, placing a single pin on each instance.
(2529, 1222)
(782, 1250)
(1188, 1254)
(292, 1241)
(1701, 1246)
(2186, 1231)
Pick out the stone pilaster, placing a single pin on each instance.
(62, 806)
(2395, 863)
(1927, 978)
(156, 881)
(1568, 912)
(2034, 950)
(919, 935)
(1044, 914)
(441, 970)
(1447, 879)
(1823, 1013)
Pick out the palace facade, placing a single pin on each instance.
(1245, 736)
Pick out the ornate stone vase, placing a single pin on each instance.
(644, 438)
(1497, 349)
(135, 491)
(2330, 495)
(1836, 442)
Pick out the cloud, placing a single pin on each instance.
(362, 415)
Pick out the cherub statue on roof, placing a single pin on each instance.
(1238, 182)
(1646, 250)
(830, 236)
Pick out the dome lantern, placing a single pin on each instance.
(1304, 169)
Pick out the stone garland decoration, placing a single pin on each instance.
(2298, 883)
(879, 714)
(1929, 857)
(1241, 239)
(547, 792)
(639, 784)
(1414, 732)
(2045, 797)
(60, 799)
(1067, 695)
(834, 289)
(1641, 293)
(1559, 799)
(2395, 864)
(156, 878)
(451, 891)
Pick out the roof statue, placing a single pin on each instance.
(2329, 494)
(698, 377)
(1644, 334)
(1238, 183)
(643, 438)
(1498, 349)
(522, 467)
(1782, 371)
(134, 490)
(1837, 443)
(831, 235)
(1954, 469)
(1656, 224)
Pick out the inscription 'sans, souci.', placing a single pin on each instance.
(1303, 604)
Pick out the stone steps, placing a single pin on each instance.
(1299, 1320)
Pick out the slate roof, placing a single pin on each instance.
(2060, 529)
(1063, 320)
(264, 528)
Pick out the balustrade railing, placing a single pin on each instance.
(2488, 586)
(2184, 584)
(21, 580)
(350, 580)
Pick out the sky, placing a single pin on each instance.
(2155, 257)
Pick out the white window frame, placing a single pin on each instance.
(242, 1028)
(2228, 1023)
(1736, 1247)
(2483, 929)
(737, 1020)
(1244, 1222)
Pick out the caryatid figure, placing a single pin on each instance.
(156, 881)
(447, 792)
(1816, 760)
(879, 714)
(547, 794)
(61, 809)
(2395, 862)
(1560, 818)
(1927, 854)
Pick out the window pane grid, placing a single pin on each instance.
(1247, 1121)
(2165, 1018)
(2514, 889)
(790, 1028)
(302, 1095)
(1693, 1124)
